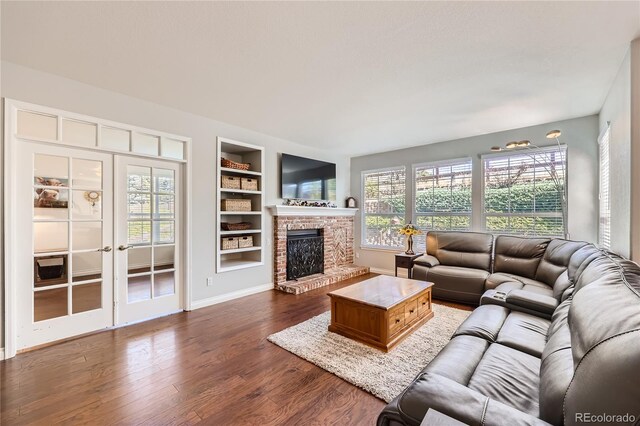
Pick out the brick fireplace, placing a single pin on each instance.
(336, 227)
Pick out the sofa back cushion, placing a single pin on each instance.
(556, 259)
(556, 367)
(519, 255)
(604, 321)
(464, 249)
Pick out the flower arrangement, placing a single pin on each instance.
(409, 230)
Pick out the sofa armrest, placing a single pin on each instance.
(426, 260)
(433, 391)
(532, 301)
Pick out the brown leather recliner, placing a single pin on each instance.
(506, 366)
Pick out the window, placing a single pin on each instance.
(524, 192)
(384, 207)
(604, 232)
(443, 196)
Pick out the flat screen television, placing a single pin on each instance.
(307, 179)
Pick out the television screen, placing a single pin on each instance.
(307, 179)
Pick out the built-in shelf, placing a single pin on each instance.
(240, 172)
(243, 232)
(223, 213)
(234, 265)
(240, 250)
(247, 257)
(240, 191)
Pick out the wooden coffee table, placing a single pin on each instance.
(381, 311)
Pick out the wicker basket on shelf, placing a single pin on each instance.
(240, 226)
(249, 184)
(230, 243)
(234, 165)
(236, 205)
(246, 241)
(230, 182)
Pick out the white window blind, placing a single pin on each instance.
(604, 232)
(384, 207)
(442, 197)
(524, 192)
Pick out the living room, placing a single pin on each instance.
(320, 212)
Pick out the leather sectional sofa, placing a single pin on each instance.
(531, 360)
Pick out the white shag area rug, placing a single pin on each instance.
(384, 375)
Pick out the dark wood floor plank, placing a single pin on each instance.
(210, 366)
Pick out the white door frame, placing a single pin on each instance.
(10, 208)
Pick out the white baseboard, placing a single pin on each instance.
(230, 296)
(1, 354)
(401, 272)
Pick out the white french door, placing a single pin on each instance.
(148, 238)
(64, 284)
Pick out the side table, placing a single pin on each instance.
(406, 261)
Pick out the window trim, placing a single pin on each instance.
(363, 214)
(535, 150)
(604, 135)
(459, 160)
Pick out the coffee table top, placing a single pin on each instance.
(382, 291)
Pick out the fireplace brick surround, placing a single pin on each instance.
(338, 251)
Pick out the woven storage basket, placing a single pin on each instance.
(230, 182)
(229, 243)
(240, 226)
(249, 184)
(234, 165)
(246, 241)
(236, 205)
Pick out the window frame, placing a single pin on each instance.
(534, 150)
(440, 163)
(605, 136)
(363, 214)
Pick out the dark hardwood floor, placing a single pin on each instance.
(213, 366)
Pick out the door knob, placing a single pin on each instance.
(106, 249)
(123, 247)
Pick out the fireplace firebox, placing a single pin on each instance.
(305, 253)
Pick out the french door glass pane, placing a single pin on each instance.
(139, 288)
(163, 257)
(50, 203)
(86, 297)
(50, 236)
(86, 205)
(49, 304)
(164, 207)
(138, 178)
(86, 266)
(163, 284)
(139, 206)
(87, 174)
(163, 232)
(163, 181)
(139, 232)
(86, 235)
(51, 170)
(139, 260)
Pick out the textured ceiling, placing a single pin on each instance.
(357, 77)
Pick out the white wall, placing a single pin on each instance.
(617, 111)
(33, 86)
(579, 134)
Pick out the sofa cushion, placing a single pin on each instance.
(518, 255)
(524, 332)
(556, 259)
(463, 249)
(457, 283)
(458, 359)
(496, 279)
(484, 322)
(508, 376)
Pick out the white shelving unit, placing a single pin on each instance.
(246, 257)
